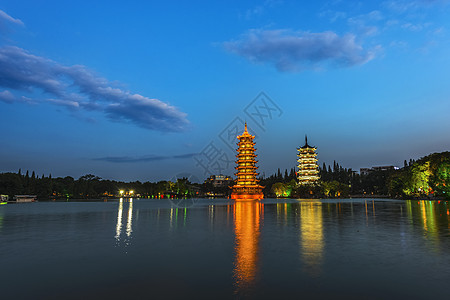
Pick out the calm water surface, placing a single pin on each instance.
(219, 249)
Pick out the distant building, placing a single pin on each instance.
(25, 198)
(219, 180)
(308, 170)
(367, 171)
(384, 168)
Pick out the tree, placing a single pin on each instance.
(440, 180)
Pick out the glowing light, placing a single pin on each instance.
(308, 170)
(246, 187)
(130, 218)
(311, 234)
(119, 220)
(247, 217)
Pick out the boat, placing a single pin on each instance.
(25, 198)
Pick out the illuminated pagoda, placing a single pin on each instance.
(246, 187)
(308, 170)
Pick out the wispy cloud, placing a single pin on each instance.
(292, 51)
(147, 158)
(408, 5)
(366, 24)
(6, 20)
(332, 15)
(78, 88)
(260, 9)
(7, 97)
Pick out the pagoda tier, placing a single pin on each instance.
(308, 170)
(246, 162)
(246, 187)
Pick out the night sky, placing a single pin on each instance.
(155, 90)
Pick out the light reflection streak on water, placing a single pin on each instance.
(119, 220)
(130, 218)
(311, 236)
(211, 215)
(282, 211)
(367, 217)
(129, 225)
(1, 220)
(247, 217)
(425, 212)
(373, 207)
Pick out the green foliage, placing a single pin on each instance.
(332, 189)
(440, 180)
(428, 176)
(283, 190)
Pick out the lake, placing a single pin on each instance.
(219, 249)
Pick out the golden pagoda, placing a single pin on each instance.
(246, 187)
(308, 170)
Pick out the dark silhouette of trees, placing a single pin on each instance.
(89, 187)
(426, 177)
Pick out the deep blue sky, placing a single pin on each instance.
(139, 90)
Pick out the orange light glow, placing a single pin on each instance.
(246, 187)
(247, 217)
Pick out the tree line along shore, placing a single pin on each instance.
(426, 178)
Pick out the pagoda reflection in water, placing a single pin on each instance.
(247, 218)
(311, 236)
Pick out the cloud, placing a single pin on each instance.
(77, 87)
(7, 97)
(5, 18)
(295, 51)
(147, 158)
(402, 6)
(7, 23)
(260, 9)
(412, 27)
(333, 16)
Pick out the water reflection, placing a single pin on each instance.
(247, 218)
(130, 218)
(1, 220)
(119, 220)
(311, 236)
(175, 214)
(129, 225)
(432, 216)
(308, 220)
